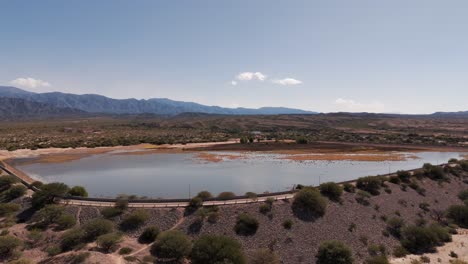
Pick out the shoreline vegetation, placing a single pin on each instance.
(377, 219)
(208, 151)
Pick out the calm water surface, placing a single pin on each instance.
(174, 175)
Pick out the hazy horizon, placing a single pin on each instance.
(324, 56)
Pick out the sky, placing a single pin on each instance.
(394, 56)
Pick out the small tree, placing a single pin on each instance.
(134, 219)
(211, 249)
(246, 225)
(265, 256)
(97, 227)
(47, 193)
(301, 140)
(65, 221)
(226, 195)
(14, 192)
(108, 242)
(48, 215)
(404, 176)
(458, 214)
(334, 252)
(171, 244)
(370, 184)
(121, 203)
(308, 201)
(331, 190)
(8, 245)
(204, 195)
(78, 191)
(149, 235)
(7, 181)
(71, 239)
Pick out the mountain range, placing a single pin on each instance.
(56, 102)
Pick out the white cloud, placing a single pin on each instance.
(287, 81)
(234, 83)
(248, 76)
(29, 82)
(353, 106)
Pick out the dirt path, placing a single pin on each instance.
(78, 213)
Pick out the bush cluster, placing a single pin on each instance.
(246, 225)
(310, 202)
(334, 252)
(331, 190)
(421, 239)
(370, 184)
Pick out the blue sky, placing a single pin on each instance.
(380, 56)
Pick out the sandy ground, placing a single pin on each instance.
(458, 245)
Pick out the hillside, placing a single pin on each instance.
(93, 103)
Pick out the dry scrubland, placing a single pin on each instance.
(287, 231)
(130, 130)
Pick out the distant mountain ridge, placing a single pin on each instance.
(93, 103)
(451, 114)
(14, 108)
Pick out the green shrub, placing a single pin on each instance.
(171, 244)
(125, 251)
(97, 227)
(395, 180)
(149, 235)
(8, 208)
(8, 245)
(463, 195)
(226, 195)
(362, 197)
(204, 195)
(53, 250)
(48, 215)
(264, 256)
(71, 239)
(251, 195)
(377, 260)
(7, 181)
(404, 176)
(421, 239)
(78, 191)
(400, 251)
(108, 242)
(79, 258)
(212, 249)
(334, 252)
(331, 190)
(301, 140)
(309, 203)
(213, 217)
(193, 205)
(47, 193)
(434, 172)
(65, 221)
(246, 225)
(394, 226)
(121, 203)
(370, 184)
(458, 214)
(348, 187)
(14, 192)
(37, 184)
(287, 224)
(111, 212)
(134, 219)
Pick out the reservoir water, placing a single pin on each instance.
(170, 175)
